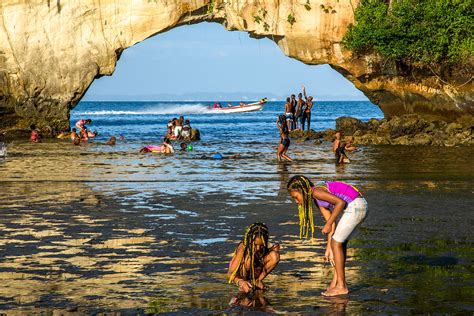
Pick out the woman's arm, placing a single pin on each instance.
(338, 203)
(234, 262)
(328, 253)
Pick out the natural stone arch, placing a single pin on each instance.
(50, 52)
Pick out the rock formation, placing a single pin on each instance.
(408, 129)
(51, 51)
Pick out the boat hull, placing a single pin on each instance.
(240, 108)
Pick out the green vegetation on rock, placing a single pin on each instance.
(420, 32)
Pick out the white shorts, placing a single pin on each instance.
(352, 216)
(177, 131)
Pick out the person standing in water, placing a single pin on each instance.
(307, 110)
(253, 259)
(284, 139)
(332, 199)
(81, 125)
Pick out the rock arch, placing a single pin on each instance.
(50, 52)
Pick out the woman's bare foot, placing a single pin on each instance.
(335, 291)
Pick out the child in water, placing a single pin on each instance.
(350, 144)
(81, 125)
(76, 139)
(332, 199)
(338, 149)
(167, 147)
(111, 141)
(253, 259)
(34, 137)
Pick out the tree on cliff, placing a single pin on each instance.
(433, 33)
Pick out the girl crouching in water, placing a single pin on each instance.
(332, 198)
(253, 259)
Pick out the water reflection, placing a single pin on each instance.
(122, 231)
(255, 301)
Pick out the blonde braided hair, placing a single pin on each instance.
(255, 230)
(304, 186)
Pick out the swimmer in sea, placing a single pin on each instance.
(219, 156)
(167, 147)
(253, 259)
(91, 134)
(111, 141)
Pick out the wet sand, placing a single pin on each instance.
(99, 240)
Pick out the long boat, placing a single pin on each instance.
(257, 106)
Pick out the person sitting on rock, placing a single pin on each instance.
(186, 132)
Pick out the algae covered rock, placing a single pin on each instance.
(348, 125)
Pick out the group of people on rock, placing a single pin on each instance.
(298, 111)
(179, 128)
(289, 121)
(255, 257)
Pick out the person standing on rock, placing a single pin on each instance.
(307, 110)
(293, 111)
(288, 113)
(300, 105)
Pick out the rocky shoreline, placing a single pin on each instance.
(404, 130)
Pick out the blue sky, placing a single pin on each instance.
(206, 61)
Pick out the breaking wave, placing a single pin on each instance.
(158, 109)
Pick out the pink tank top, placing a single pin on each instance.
(81, 122)
(344, 191)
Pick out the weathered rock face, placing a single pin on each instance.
(51, 51)
(409, 129)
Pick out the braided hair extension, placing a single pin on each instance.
(305, 211)
(253, 231)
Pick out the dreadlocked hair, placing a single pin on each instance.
(253, 231)
(305, 210)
